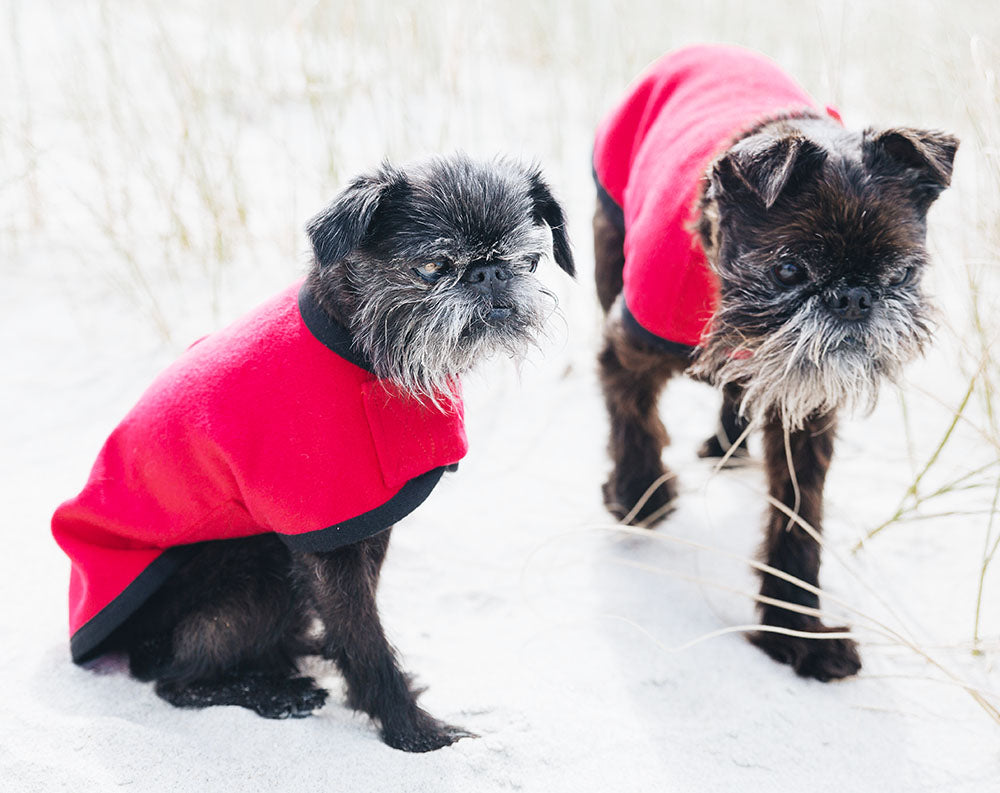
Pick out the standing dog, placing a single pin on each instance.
(238, 517)
(745, 236)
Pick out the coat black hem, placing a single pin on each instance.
(88, 641)
(650, 339)
(410, 496)
(614, 212)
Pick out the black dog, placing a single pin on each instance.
(748, 238)
(419, 273)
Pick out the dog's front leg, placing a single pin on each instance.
(790, 549)
(632, 377)
(342, 585)
(730, 430)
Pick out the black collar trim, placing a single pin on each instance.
(330, 332)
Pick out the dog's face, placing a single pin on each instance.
(817, 235)
(432, 267)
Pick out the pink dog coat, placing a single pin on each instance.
(273, 424)
(650, 159)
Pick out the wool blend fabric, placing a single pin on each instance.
(650, 160)
(273, 424)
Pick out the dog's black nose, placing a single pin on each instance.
(853, 303)
(486, 277)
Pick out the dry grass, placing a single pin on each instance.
(941, 489)
(889, 631)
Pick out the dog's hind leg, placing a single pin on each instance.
(789, 548)
(731, 428)
(342, 584)
(225, 630)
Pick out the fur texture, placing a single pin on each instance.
(431, 268)
(421, 332)
(804, 193)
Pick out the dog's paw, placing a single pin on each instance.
(268, 696)
(423, 733)
(712, 448)
(294, 698)
(822, 659)
(620, 498)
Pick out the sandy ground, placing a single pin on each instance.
(567, 645)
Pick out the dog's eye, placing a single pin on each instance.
(533, 263)
(900, 278)
(431, 271)
(789, 274)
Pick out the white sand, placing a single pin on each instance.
(525, 621)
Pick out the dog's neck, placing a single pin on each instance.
(324, 298)
(326, 317)
(325, 326)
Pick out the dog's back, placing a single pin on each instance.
(650, 157)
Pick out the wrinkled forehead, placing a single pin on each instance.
(465, 214)
(847, 222)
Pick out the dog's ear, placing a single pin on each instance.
(341, 227)
(764, 164)
(923, 157)
(546, 209)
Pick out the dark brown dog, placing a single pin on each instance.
(817, 238)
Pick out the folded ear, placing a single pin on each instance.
(342, 226)
(764, 164)
(924, 156)
(546, 209)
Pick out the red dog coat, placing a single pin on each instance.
(273, 424)
(650, 158)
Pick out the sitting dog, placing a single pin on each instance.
(238, 517)
(744, 235)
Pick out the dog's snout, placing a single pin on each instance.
(853, 303)
(486, 277)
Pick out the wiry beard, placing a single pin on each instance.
(422, 340)
(814, 363)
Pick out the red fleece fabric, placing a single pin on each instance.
(650, 157)
(257, 428)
